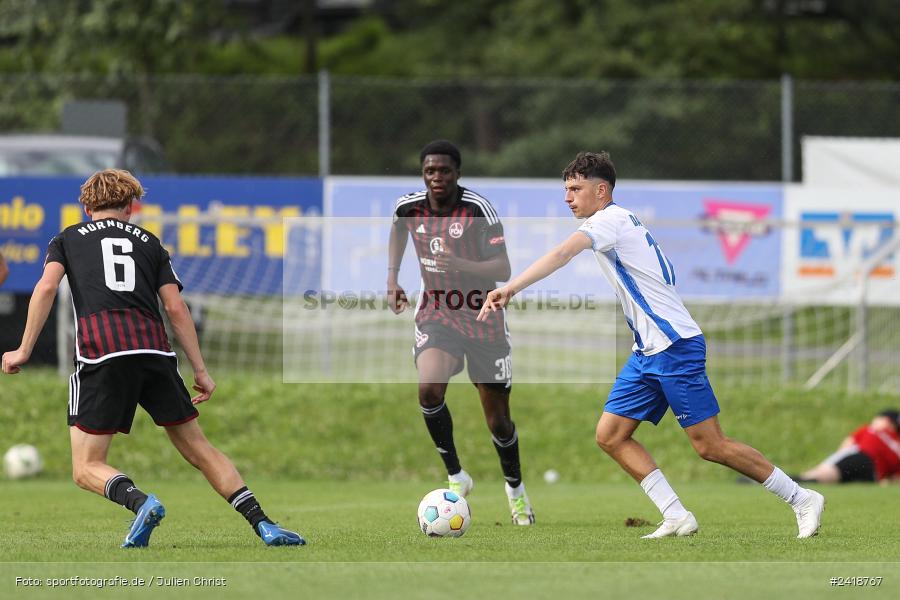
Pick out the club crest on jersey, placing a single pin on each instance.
(421, 339)
(436, 245)
(456, 230)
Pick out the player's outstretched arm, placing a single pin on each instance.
(539, 269)
(38, 310)
(397, 299)
(186, 334)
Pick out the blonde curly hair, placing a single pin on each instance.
(110, 189)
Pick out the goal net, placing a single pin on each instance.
(304, 299)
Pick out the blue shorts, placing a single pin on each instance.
(675, 377)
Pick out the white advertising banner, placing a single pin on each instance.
(846, 161)
(832, 234)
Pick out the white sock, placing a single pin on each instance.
(515, 492)
(663, 496)
(459, 477)
(785, 488)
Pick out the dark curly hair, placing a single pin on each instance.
(441, 147)
(592, 165)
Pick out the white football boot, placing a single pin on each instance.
(686, 525)
(809, 514)
(519, 505)
(461, 484)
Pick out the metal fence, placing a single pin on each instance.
(655, 129)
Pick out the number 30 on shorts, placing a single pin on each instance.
(504, 368)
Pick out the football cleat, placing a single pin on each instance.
(463, 485)
(147, 518)
(686, 525)
(809, 514)
(273, 535)
(519, 505)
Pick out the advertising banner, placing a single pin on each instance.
(839, 232)
(34, 209)
(716, 235)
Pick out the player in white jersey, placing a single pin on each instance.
(668, 366)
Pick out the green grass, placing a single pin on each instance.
(347, 465)
(363, 432)
(743, 530)
(357, 522)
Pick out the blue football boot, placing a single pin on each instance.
(148, 516)
(273, 535)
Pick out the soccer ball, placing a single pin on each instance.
(22, 460)
(443, 513)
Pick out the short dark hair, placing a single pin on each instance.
(894, 416)
(441, 147)
(592, 165)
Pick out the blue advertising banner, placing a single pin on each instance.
(225, 257)
(716, 234)
(841, 230)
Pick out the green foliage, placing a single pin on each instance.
(242, 55)
(110, 36)
(730, 39)
(743, 39)
(520, 85)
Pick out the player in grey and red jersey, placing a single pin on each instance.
(461, 250)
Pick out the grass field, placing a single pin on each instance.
(355, 525)
(347, 465)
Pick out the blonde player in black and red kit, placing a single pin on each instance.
(118, 273)
(462, 254)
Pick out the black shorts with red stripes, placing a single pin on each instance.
(104, 396)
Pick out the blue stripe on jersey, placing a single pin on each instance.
(662, 265)
(637, 336)
(638, 297)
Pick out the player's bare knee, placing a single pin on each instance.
(606, 442)
(193, 459)
(709, 451)
(80, 476)
(197, 455)
(430, 396)
(501, 426)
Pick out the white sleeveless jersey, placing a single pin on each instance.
(642, 277)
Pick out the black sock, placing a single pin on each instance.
(508, 451)
(121, 490)
(440, 426)
(245, 503)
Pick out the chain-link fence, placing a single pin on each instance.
(655, 129)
